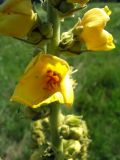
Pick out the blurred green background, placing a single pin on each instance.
(97, 95)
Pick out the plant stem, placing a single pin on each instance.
(55, 20)
(55, 113)
(55, 119)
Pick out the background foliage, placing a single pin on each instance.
(97, 95)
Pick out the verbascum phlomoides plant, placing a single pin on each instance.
(46, 84)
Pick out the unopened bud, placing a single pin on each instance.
(66, 40)
(64, 131)
(76, 132)
(71, 147)
(73, 120)
(37, 155)
(36, 125)
(37, 133)
(40, 140)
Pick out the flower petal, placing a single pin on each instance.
(97, 40)
(67, 90)
(16, 18)
(96, 17)
(32, 89)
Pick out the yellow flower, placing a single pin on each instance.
(92, 30)
(46, 80)
(98, 40)
(16, 17)
(81, 2)
(96, 17)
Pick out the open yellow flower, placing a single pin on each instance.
(46, 80)
(97, 40)
(92, 30)
(16, 17)
(96, 17)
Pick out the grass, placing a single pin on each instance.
(97, 97)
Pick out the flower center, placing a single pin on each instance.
(52, 81)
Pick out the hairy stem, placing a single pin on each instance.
(55, 120)
(55, 110)
(55, 20)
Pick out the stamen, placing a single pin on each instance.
(52, 81)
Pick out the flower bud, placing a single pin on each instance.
(36, 125)
(36, 155)
(73, 128)
(73, 121)
(38, 135)
(66, 40)
(64, 131)
(76, 132)
(71, 147)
